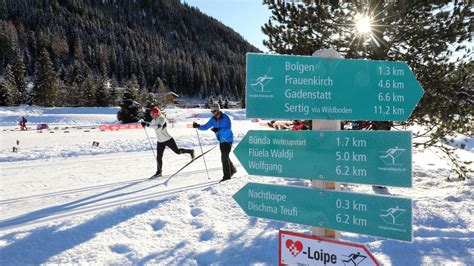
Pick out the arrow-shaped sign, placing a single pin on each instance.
(363, 157)
(300, 249)
(305, 87)
(383, 216)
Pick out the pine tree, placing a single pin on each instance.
(8, 90)
(76, 73)
(417, 32)
(142, 96)
(129, 108)
(63, 94)
(44, 91)
(113, 93)
(74, 94)
(8, 42)
(159, 86)
(19, 72)
(101, 93)
(88, 92)
(6, 97)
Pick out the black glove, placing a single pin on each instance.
(215, 129)
(142, 122)
(196, 125)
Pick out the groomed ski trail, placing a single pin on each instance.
(91, 188)
(89, 204)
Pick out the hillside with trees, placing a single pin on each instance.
(77, 52)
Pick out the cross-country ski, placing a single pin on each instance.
(193, 160)
(155, 176)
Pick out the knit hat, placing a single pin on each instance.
(155, 111)
(215, 107)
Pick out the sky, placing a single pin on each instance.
(64, 201)
(247, 16)
(244, 16)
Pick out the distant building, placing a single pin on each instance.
(166, 97)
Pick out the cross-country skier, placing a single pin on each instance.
(23, 123)
(159, 124)
(221, 125)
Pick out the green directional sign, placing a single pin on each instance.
(363, 157)
(382, 216)
(305, 87)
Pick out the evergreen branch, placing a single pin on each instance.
(458, 166)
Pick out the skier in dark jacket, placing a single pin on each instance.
(221, 125)
(23, 123)
(159, 124)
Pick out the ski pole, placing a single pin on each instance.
(205, 165)
(151, 145)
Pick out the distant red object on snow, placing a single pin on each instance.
(42, 126)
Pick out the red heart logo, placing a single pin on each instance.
(294, 247)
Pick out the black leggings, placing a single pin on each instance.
(227, 166)
(160, 149)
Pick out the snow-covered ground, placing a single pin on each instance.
(65, 201)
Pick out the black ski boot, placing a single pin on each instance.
(156, 175)
(224, 179)
(191, 152)
(233, 171)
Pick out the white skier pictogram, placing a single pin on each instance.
(390, 215)
(391, 155)
(261, 82)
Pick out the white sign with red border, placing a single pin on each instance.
(300, 249)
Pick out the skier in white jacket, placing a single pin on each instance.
(159, 124)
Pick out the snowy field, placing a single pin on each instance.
(65, 201)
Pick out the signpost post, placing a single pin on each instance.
(318, 124)
(382, 216)
(363, 157)
(306, 87)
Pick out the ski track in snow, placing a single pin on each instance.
(64, 201)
